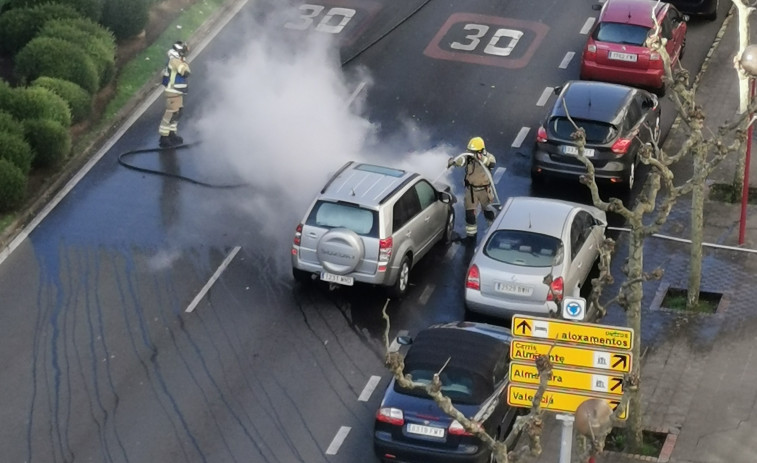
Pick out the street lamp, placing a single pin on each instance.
(748, 62)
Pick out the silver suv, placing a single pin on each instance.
(371, 224)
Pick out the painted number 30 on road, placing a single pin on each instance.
(317, 17)
(509, 37)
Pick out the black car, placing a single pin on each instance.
(410, 427)
(707, 9)
(618, 121)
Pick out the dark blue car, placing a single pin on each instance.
(410, 427)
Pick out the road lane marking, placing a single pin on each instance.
(341, 435)
(498, 173)
(395, 346)
(545, 96)
(355, 93)
(587, 25)
(567, 59)
(213, 279)
(369, 388)
(521, 136)
(426, 294)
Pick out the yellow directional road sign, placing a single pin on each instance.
(577, 356)
(570, 331)
(560, 401)
(568, 378)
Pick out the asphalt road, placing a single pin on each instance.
(149, 319)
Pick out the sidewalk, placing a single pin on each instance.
(698, 371)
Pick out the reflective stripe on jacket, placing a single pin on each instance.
(175, 76)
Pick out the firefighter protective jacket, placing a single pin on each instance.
(475, 175)
(176, 75)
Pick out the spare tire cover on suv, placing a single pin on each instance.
(340, 251)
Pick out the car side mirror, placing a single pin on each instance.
(596, 6)
(557, 89)
(404, 340)
(446, 197)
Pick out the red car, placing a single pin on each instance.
(615, 50)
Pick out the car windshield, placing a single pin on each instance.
(627, 34)
(524, 248)
(327, 214)
(596, 132)
(459, 385)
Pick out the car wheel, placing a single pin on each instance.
(631, 177)
(301, 276)
(713, 15)
(656, 131)
(683, 48)
(449, 229)
(399, 289)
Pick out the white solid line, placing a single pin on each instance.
(338, 440)
(566, 60)
(521, 136)
(426, 294)
(545, 96)
(587, 25)
(149, 100)
(395, 346)
(369, 388)
(213, 279)
(355, 93)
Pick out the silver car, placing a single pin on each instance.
(530, 239)
(371, 224)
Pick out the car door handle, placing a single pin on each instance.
(580, 264)
(428, 217)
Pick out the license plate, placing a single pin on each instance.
(616, 55)
(510, 288)
(428, 431)
(338, 279)
(567, 149)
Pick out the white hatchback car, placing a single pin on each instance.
(530, 239)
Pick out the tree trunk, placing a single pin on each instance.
(633, 316)
(697, 226)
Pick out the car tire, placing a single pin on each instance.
(449, 228)
(399, 288)
(683, 48)
(630, 178)
(301, 276)
(713, 15)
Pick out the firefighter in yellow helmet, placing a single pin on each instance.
(478, 188)
(175, 77)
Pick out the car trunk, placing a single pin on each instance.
(623, 56)
(311, 235)
(516, 283)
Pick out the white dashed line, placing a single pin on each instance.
(355, 93)
(213, 279)
(498, 173)
(369, 388)
(545, 96)
(395, 346)
(341, 435)
(451, 252)
(587, 25)
(567, 59)
(521, 136)
(426, 294)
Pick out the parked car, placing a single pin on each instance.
(708, 9)
(530, 239)
(616, 52)
(473, 361)
(371, 224)
(618, 121)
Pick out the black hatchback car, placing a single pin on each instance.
(618, 121)
(707, 9)
(410, 427)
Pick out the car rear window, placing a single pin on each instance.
(527, 249)
(596, 132)
(626, 34)
(328, 214)
(459, 385)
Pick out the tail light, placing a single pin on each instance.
(297, 239)
(385, 253)
(555, 289)
(473, 280)
(457, 429)
(541, 135)
(591, 47)
(620, 147)
(654, 56)
(390, 415)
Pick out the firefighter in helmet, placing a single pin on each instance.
(478, 188)
(175, 77)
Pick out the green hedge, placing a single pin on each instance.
(47, 56)
(79, 101)
(90, 8)
(12, 186)
(126, 18)
(100, 50)
(50, 141)
(38, 103)
(10, 124)
(14, 148)
(20, 25)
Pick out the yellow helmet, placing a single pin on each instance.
(476, 144)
